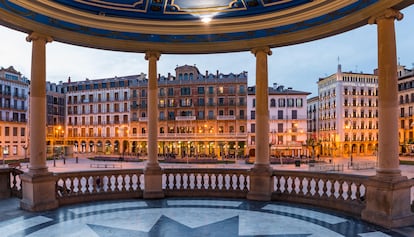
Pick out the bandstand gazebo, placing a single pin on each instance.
(159, 27)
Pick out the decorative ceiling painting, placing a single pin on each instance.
(189, 26)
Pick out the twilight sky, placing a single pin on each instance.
(298, 66)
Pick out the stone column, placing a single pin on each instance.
(388, 193)
(153, 171)
(260, 174)
(38, 183)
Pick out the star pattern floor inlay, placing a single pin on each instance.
(188, 217)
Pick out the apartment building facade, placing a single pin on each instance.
(406, 104)
(196, 117)
(55, 118)
(200, 114)
(348, 114)
(14, 91)
(287, 121)
(312, 141)
(98, 114)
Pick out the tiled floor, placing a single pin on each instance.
(182, 217)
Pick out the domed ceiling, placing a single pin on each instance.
(189, 26)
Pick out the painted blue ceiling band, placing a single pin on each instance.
(195, 38)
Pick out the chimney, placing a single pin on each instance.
(275, 86)
(206, 73)
(69, 80)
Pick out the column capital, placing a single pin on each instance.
(152, 54)
(264, 49)
(37, 36)
(387, 14)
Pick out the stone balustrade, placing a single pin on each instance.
(336, 191)
(341, 192)
(75, 187)
(206, 182)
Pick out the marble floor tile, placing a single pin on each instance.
(175, 217)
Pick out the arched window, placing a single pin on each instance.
(272, 103)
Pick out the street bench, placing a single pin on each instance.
(105, 165)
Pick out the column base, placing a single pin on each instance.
(39, 192)
(260, 183)
(388, 201)
(153, 182)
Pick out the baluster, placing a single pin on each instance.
(217, 187)
(317, 194)
(86, 184)
(117, 189)
(202, 181)
(231, 183)
(301, 186)
(94, 184)
(139, 182)
(72, 185)
(325, 188)
(130, 182)
(123, 182)
(184, 184)
(341, 190)
(238, 177)
(331, 188)
(277, 180)
(308, 187)
(188, 175)
(209, 181)
(349, 192)
(245, 188)
(286, 184)
(167, 181)
(358, 192)
(293, 185)
(174, 181)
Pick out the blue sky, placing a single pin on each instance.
(297, 66)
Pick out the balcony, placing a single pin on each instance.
(226, 117)
(185, 118)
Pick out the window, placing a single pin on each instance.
(281, 102)
(170, 91)
(272, 103)
(294, 114)
(201, 101)
(290, 102)
(200, 90)
(252, 114)
(280, 127)
(299, 102)
(280, 114)
(185, 91)
(252, 127)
